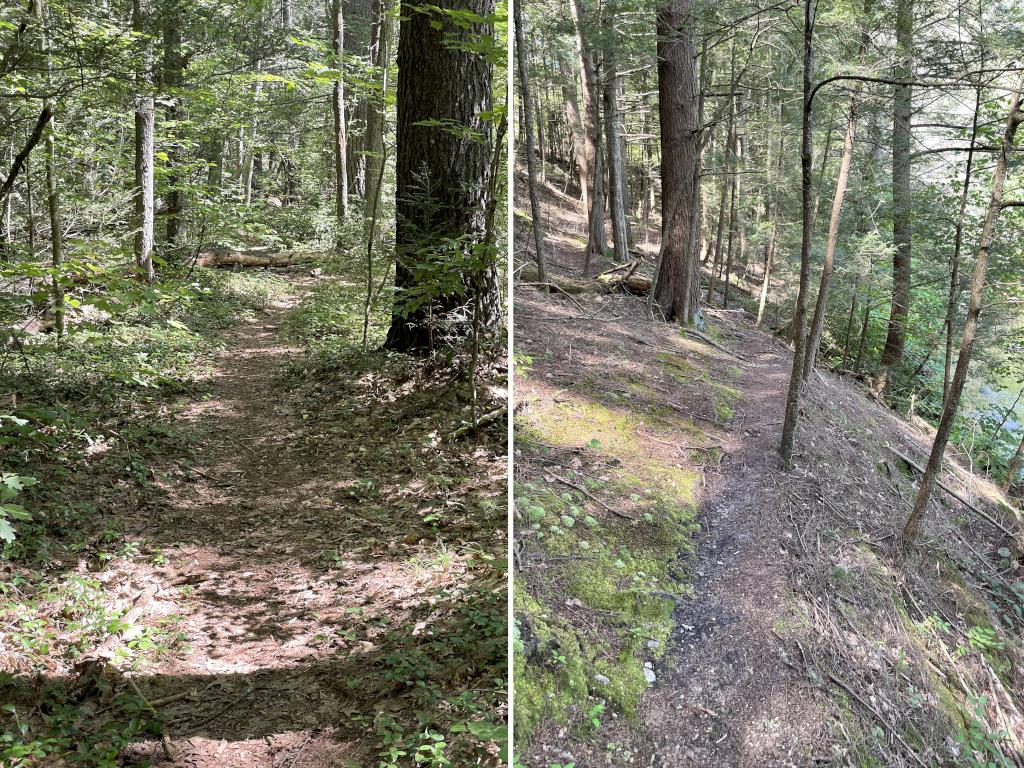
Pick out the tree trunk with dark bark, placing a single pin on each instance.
(789, 422)
(677, 286)
(902, 213)
(338, 108)
(442, 175)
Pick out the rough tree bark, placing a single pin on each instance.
(380, 46)
(52, 190)
(594, 198)
(441, 174)
(616, 160)
(677, 284)
(173, 77)
(338, 108)
(572, 117)
(995, 205)
(954, 266)
(818, 321)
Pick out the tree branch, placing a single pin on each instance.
(19, 161)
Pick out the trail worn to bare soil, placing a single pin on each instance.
(781, 632)
(315, 551)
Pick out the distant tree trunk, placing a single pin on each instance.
(380, 46)
(30, 214)
(579, 143)
(769, 249)
(954, 265)
(677, 284)
(247, 150)
(848, 336)
(789, 423)
(540, 139)
(144, 172)
(286, 15)
(594, 197)
(731, 241)
(902, 213)
(173, 76)
(970, 326)
(52, 190)
(729, 154)
(338, 107)
(442, 175)
(616, 161)
(531, 161)
(818, 321)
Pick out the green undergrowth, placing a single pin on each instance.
(602, 607)
(329, 320)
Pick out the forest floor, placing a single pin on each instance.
(311, 573)
(779, 628)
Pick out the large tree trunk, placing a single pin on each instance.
(616, 161)
(902, 213)
(677, 286)
(338, 108)
(442, 174)
(971, 325)
(531, 161)
(572, 117)
(789, 422)
(144, 174)
(818, 321)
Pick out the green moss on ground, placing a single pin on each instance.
(622, 570)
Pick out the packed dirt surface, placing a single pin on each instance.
(799, 636)
(318, 541)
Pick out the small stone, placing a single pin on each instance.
(649, 675)
(602, 679)
(652, 644)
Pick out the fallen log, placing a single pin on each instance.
(628, 283)
(959, 497)
(257, 257)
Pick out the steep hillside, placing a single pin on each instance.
(682, 601)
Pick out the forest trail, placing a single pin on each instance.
(796, 637)
(727, 697)
(290, 556)
(723, 694)
(245, 518)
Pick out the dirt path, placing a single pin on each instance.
(293, 558)
(725, 696)
(243, 519)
